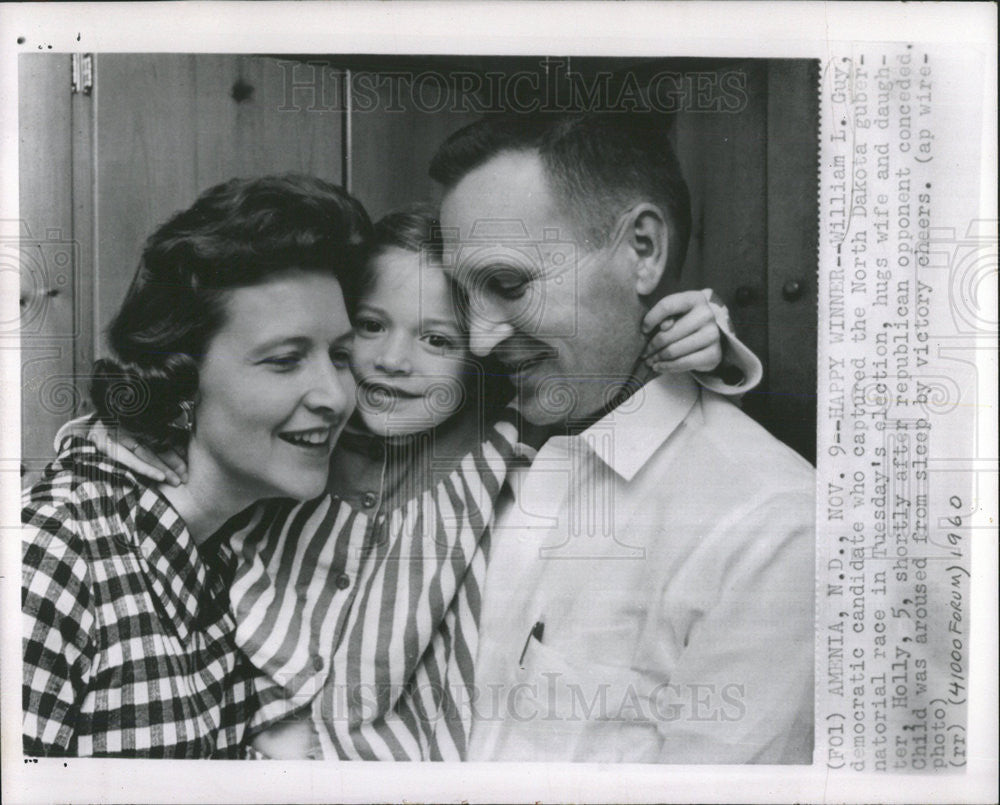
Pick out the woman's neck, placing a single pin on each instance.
(209, 497)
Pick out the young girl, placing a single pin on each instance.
(361, 607)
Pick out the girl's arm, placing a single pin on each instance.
(691, 332)
(166, 466)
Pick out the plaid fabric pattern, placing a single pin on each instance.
(378, 636)
(128, 641)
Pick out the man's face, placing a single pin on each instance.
(564, 321)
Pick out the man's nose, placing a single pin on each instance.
(394, 359)
(330, 391)
(486, 331)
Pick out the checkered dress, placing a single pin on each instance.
(128, 642)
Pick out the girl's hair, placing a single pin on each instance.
(237, 234)
(412, 228)
(415, 228)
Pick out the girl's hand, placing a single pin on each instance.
(683, 335)
(292, 739)
(167, 466)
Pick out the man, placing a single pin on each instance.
(649, 594)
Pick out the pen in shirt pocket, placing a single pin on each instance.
(536, 632)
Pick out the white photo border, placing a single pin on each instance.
(801, 30)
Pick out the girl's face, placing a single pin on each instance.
(410, 352)
(275, 387)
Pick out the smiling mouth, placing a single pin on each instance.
(317, 439)
(380, 392)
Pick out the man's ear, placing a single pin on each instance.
(648, 239)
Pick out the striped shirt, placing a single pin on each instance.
(128, 641)
(371, 618)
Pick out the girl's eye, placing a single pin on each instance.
(370, 326)
(441, 342)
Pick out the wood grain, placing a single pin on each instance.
(41, 242)
(723, 156)
(168, 127)
(792, 214)
(393, 146)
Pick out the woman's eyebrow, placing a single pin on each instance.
(296, 341)
(281, 341)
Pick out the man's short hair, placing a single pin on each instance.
(599, 165)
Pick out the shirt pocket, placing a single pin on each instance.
(584, 711)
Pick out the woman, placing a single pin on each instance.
(233, 340)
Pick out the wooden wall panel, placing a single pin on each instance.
(145, 162)
(169, 126)
(392, 150)
(42, 244)
(792, 213)
(723, 157)
(82, 121)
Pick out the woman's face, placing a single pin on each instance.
(275, 388)
(410, 353)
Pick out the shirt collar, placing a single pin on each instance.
(641, 424)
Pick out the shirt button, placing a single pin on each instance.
(369, 500)
(343, 581)
(317, 663)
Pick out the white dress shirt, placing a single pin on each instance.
(649, 595)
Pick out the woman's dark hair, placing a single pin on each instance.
(237, 234)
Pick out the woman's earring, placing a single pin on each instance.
(185, 421)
